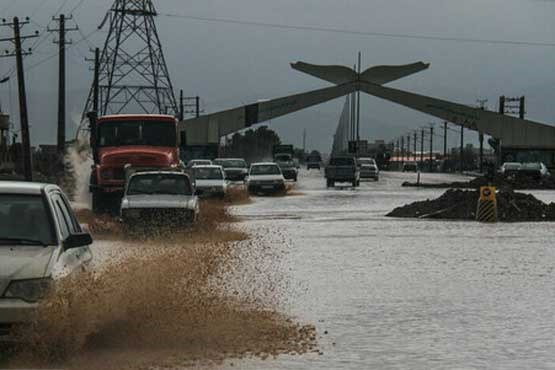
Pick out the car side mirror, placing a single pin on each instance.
(78, 240)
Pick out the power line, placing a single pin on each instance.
(357, 32)
(52, 56)
(77, 6)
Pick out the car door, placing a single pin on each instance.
(71, 260)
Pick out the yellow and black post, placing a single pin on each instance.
(487, 205)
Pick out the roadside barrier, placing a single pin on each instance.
(487, 205)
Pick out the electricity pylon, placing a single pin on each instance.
(132, 72)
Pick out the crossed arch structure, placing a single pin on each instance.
(511, 131)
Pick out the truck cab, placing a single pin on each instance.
(139, 141)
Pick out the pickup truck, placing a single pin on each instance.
(342, 169)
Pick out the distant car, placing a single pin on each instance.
(368, 169)
(235, 169)
(199, 162)
(313, 162)
(342, 169)
(41, 241)
(536, 170)
(265, 178)
(288, 166)
(509, 169)
(210, 181)
(158, 198)
(410, 167)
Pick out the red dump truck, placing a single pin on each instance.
(118, 141)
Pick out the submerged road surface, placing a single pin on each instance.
(409, 294)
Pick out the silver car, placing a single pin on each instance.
(159, 197)
(41, 241)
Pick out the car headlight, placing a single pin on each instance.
(29, 290)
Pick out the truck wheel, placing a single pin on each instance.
(355, 183)
(328, 183)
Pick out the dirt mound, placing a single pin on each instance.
(501, 182)
(462, 204)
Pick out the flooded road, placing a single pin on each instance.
(408, 294)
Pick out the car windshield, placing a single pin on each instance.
(341, 162)
(270, 169)
(25, 220)
(126, 133)
(165, 184)
(231, 163)
(208, 173)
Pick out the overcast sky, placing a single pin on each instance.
(233, 64)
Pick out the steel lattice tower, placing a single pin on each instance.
(132, 72)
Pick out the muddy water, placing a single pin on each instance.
(182, 298)
(407, 294)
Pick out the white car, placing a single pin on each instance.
(159, 198)
(265, 178)
(41, 241)
(368, 169)
(210, 181)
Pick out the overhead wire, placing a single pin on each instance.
(358, 32)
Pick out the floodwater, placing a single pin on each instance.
(408, 294)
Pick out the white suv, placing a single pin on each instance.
(40, 241)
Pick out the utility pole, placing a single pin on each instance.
(304, 141)
(415, 139)
(96, 76)
(24, 117)
(481, 139)
(402, 150)
(353, 114)
(408, 147)
(358, 98)
(96, 70)
(482, 104)
(422, 149)
(181, 106)
(432, 149)
(194, 105)
(62, 42)
(445, 140)
(462, 150)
